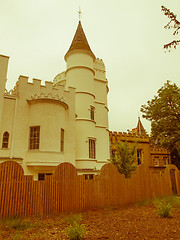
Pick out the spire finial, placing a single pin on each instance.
(80, 13)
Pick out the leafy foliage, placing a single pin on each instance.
(124, 158)
(163, 208)
(164, 113)
(173, 23)
(76, 231)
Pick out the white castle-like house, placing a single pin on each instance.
(64, 121)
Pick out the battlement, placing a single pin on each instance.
(127, 136)
(155, 151)
(60, 79)
(31, 89)
(99, 65)
(36, 83)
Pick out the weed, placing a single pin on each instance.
(163, 208)
(17, 224)
(76, 231)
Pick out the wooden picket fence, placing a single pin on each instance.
(65, 191)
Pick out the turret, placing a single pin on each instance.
(87, 75)
(80, 74)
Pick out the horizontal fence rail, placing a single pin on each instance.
(65, 191)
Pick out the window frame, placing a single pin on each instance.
(156, 161)
(62, 140)
(92, 148)
(43, 176)
(139, 156)
(5, 141)
(92, 112)
(34, 141)
(88, 176)
(165, 161)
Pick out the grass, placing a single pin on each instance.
(16, 225)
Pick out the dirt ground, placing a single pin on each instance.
(134, 222)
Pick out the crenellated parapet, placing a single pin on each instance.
(11, 93)
(116, 137)
(100, 72)
(60, 79)
(35, 87)
(155, 151)
(99, 65)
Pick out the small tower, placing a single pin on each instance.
(80, 73)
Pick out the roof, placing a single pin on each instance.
(80, 42)
(140, 128)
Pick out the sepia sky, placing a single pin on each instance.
(128, 36)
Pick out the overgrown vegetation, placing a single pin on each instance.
(124, 158)
(75, 230)
(163, 111)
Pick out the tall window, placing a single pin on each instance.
(92, 149)
(5, 140)
(139, 156)
(165, 160)
(156, 161)
(34, 137)
(62, 139)
(92, 110)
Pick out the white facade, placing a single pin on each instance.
(73, 105)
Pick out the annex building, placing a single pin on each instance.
(65, 120)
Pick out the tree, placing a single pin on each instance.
(124, 158)
(163, 111)
(173, 23)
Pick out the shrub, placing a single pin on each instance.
(76, 231)
(164, 208)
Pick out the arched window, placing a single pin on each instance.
(5, 140)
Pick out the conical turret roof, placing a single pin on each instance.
(140, 128)
(80, 42)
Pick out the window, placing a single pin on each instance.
(5, 140)
(92, 110)
(165, 160)
(139, 156)
(92, 152)
(62, 140)
(34, 137)
(156, 161)
(88, 176)
(41, 176)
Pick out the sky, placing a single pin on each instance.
(128, 35)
